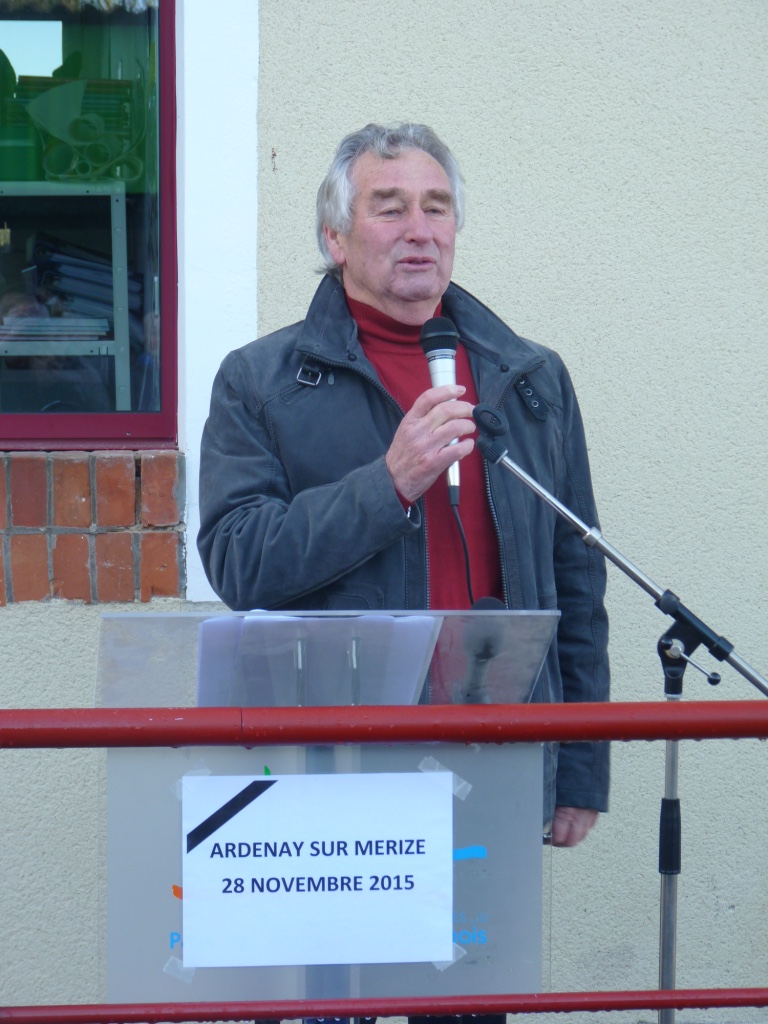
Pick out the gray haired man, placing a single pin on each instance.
(324, 456)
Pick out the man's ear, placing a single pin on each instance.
(334, 241)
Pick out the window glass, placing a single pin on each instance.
(79, 214)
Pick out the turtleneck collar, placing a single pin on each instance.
(378, 327)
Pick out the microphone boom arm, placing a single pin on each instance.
(492, 425)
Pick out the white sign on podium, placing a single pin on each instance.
(317, 869)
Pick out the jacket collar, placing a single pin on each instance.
(329, 332)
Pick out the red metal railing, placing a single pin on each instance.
(155, 727)
(466, 723)
(548, 1002)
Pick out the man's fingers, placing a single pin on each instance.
(422, 447)
(434, 397)
(572, 824)
(440, 408)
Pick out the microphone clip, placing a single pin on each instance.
(491, 425)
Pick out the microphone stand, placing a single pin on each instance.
(674, 648)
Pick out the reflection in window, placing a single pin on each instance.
(79, 229)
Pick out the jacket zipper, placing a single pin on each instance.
(499, 538)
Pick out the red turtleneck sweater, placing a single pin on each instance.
(394, 350)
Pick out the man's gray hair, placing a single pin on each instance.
(336, 195)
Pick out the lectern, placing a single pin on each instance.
(494, 909)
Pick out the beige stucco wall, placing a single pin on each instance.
(615, 163)
(614, 157)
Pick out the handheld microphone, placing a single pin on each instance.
(439, 341)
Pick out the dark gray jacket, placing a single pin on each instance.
(298, 510)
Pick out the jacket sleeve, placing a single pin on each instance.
(582, 638)
(263, 546)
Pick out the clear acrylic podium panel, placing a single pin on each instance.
(153, 660)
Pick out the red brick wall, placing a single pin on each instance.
(91, 526)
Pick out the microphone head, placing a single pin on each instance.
(439, 333)
(489, 604)
(484, 638)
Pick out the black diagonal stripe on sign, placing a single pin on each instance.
(228, 810)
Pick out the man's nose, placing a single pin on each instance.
(418, 227)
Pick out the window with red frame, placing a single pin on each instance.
(87, 224)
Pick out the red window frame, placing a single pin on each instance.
(129, 430)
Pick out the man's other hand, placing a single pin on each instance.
(419, 452)
(572, 824)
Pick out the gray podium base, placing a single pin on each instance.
(497, 875)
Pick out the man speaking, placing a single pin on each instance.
(325, 456)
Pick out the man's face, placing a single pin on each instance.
(398, 254)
